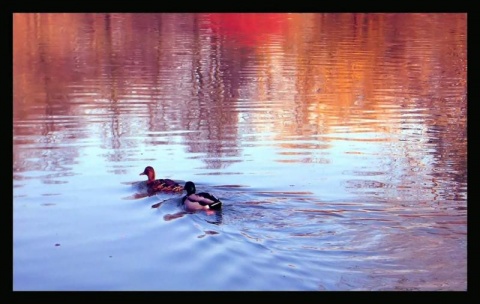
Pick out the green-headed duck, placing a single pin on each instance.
(199, 201)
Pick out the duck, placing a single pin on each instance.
(160, 185)
(199, 201)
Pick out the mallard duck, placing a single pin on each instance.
(160, 185)
(199, 201)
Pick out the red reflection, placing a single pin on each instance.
(248, 28)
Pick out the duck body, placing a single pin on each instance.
(199, 201)
(160, 185)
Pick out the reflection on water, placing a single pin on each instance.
(329, 136)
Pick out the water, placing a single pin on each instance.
(337, 143)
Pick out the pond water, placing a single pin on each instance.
(337, 143)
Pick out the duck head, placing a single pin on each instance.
(189, 187)
(150, 173)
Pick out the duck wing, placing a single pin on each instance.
(166, 185)
(217, 204)
(208, 196)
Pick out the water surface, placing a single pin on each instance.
(337, 143)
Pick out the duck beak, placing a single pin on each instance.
(143, 173)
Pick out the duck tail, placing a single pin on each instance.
(216, 205)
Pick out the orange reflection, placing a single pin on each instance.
(296, 75)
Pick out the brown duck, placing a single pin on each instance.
(160, 185)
